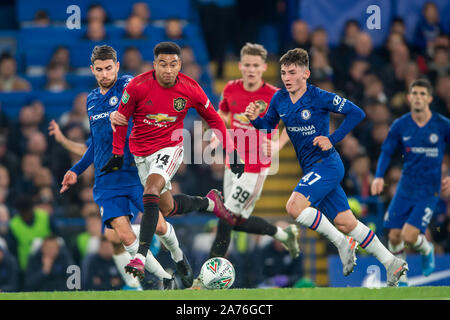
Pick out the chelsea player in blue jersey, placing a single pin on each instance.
(305, 110)
(119, 195)
(422, 137)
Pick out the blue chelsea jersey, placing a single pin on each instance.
(423, 149)
(308, 118)
(99, 107)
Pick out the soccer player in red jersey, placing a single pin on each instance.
(241, 194)
(158, 101)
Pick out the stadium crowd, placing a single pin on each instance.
(32, 163)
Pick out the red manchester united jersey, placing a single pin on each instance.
(235, 100)
(158, 112)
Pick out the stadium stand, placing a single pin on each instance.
(373, 80)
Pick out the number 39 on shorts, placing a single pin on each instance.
(310, 178)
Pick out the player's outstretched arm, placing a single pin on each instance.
(84, 162)
(75, 147)
(377, 186)
(69, 179)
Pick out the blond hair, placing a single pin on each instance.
(254, 49)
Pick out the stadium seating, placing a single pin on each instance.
(36, 45)
(116, 10)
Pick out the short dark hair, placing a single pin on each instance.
(166, 47)
(422, 83)
(103, 52)
(296, 56)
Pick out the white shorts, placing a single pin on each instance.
(164, 162)
(241, 194)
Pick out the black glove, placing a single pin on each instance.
(237, 165)
(114, 163)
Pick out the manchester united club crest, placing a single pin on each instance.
(262, 105)
(179, 104)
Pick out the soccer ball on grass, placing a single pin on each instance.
(217, 273)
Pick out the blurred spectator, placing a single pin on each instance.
(359, 176)
(9, 80)
(9, 160)
(349, 148)
(37, 144)
(28, 123)
(4, 222)
(393, 39)
(41, 19)
(300, 35)
(440, 65)
(278, 268)
(97, 13)
(95, 31)
(194, 71)
(5, 183)
(392, 178)
(321, 69)
(398, 26)
(145, 66)
(354, 86)
(43, 179)
(378, 135)
(393, 74)
(88, 242)
(39, 114)
(61, 55)
(441, 101)
(319, 42)
(364, 50)
(56, 78)
(47, 269)
(31, 164)
(101, 272)
(341, 55)
(9, 271)
(77, 114)
(186, 178)
(187, 55)
(219, 23)
(25, 226)
(45, 200)
(374, 88)
(141, 10)
(135, 28)
(428, 27)
(173, 29)
(399, 102)
(131, 61)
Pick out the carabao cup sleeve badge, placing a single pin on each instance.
(125, 97)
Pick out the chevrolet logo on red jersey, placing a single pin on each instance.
(160, 117)
(241, 118)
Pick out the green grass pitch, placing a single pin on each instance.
(409, 293)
